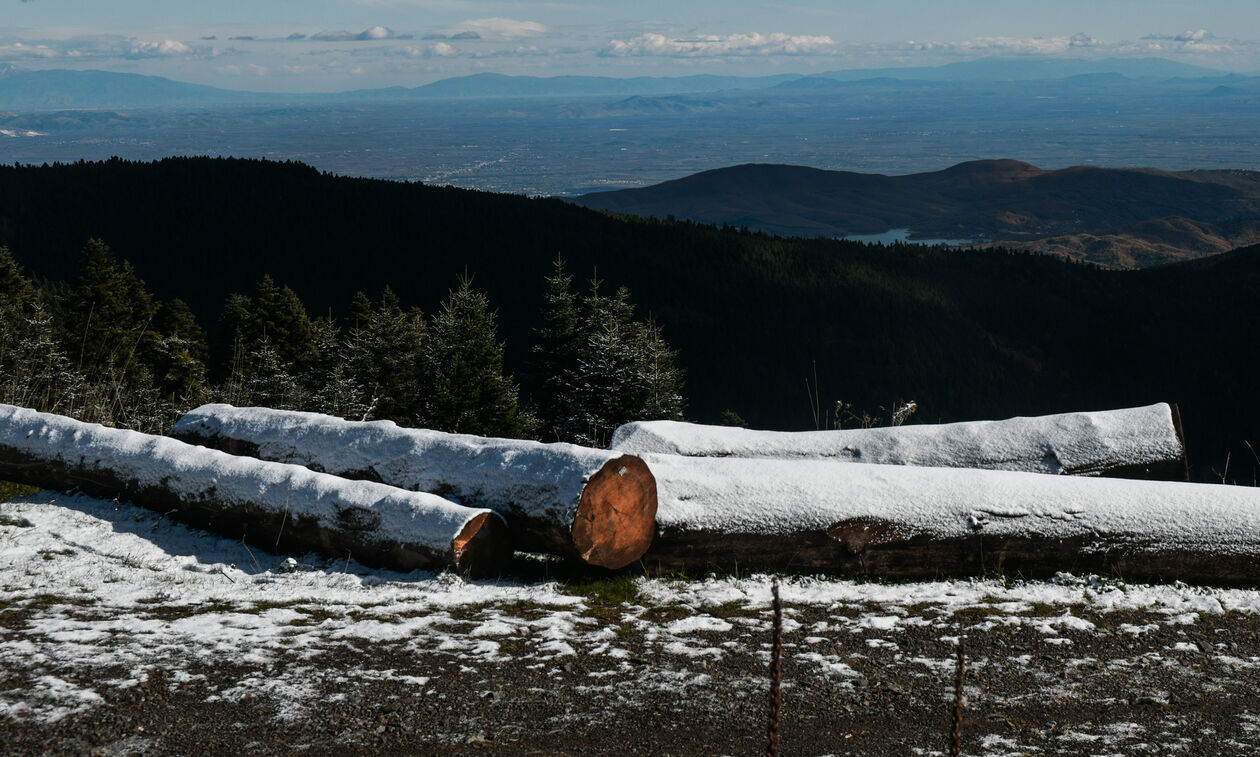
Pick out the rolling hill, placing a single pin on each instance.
(1122, 218)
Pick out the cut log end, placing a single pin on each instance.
(616, 518)
(482, 547)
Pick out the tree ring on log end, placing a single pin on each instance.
(616, 518)
(482, 546)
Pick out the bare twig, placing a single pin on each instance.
(776, 674)
(955, 736)
(257, 567)
(283, 519)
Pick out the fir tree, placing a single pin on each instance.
(625, 372)
(34, 370)
(384, 355)
(464, 387)
(556, 354)
(273, 342)
(180, 366)
(270, 382)
(107, 318)
(278, 316)
(333, 389)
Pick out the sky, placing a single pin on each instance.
(331, 45)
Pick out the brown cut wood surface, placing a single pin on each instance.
(482, 546)
(616, 518)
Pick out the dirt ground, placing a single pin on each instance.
(124, 633)
(1134, 684)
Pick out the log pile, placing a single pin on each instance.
(272, 505)
(1141, 442)
(710, 504)
(593, 505)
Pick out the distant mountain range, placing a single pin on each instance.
(1122, 218)
(55, 89)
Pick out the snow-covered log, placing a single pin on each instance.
(907, 522)
(1142, 442)
(592, 504)
(272, 505)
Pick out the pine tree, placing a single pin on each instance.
(625, 372)
(556, 354)
(464, 388)
(180, 366)
(278, 316)
(270, 382)
(384, 355)
(34, 370)
(106, 322)
(273, 342)
(107, 318)
(661, 380)
(328, 379)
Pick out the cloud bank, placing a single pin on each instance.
(722, 46)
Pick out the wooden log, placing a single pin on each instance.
(901, 522)
(273, 505)
(590, 504)
(1143, 442)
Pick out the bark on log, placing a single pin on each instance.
(902, 522)
(1142, 443)
(591, 504)
(272, 505)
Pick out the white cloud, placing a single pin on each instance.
(370, 34)
(438, 50)
(163, 49)
(18, 50)
(500, 28)
(1190, 35)
(235, 70)
(721, 46)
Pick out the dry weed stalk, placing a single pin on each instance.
(776, 674)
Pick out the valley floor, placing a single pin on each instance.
(124, 633)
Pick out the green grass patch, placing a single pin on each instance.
(44, 601)
(1043, 610)
(974, 613)
(525, 609)
(10, 490)
(615, 590)
(666, 614)
(178, 612)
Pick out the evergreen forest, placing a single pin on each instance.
(132, 291)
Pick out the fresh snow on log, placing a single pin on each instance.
(270, 504)
(1142, 442)
(900, 521)
(594, 504)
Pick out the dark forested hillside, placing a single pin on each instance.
(1121, 218)
(754, 318)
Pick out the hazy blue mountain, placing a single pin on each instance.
(499, 85)
(1029, 69)
(56, 89)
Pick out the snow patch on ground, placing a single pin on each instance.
(101, 595)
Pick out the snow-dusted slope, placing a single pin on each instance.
(1130, 442)
(309, 510)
